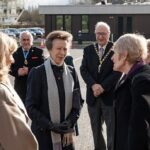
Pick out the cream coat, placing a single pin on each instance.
(15, 133)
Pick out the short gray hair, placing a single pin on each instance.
(102, 24)
(28, 34)
(134, 44)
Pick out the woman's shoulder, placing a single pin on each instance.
(142, 78)
(37, 69)
(4, 92)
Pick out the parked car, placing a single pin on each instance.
(38, 33)
(14, 31)
(8, 33)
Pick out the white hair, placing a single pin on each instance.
(134, 44)
(102, 24)
(28, 34)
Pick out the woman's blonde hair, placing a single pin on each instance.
(134, 44)
(7, 46)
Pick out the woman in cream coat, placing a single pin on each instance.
(15, 134)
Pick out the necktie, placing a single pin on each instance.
(101, 52)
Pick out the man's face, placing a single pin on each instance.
(26, 42)
(59, 50)
(102, 35)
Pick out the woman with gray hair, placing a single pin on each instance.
(132, 94)
(148, 56)
(15, 133)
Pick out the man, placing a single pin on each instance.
(25, 58)
(97, 72)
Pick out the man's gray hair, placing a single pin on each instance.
(102, 24)
(27, 33)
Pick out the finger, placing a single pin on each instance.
(64, 140)
(69, 138)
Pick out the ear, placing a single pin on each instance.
(125, 55)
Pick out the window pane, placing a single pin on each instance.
(68, 23)
(85, 28)
(59, 22)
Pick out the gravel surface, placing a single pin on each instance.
(84, 141)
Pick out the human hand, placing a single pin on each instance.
(67, 139)
(97, 90)
(66, 124)
(21, 72)
(26, 70)
(60, 128)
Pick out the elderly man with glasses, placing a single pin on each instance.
(97, 72)
(26, 57)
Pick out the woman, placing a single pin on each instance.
(53, 96)
(132, 94)
(148, 55)
(15, 133)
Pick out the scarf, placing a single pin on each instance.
(53, 98)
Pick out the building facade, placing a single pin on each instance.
(74, 18)
(10, 10)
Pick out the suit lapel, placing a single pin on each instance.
(108, 47)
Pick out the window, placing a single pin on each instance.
(120, 26)
(59, 22)
(68, 23)
(85, 20)
(129, 25)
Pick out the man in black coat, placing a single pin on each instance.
(97, 72)
(25, 58)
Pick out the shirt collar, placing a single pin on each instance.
(102, 47)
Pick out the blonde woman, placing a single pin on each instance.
(15, 133)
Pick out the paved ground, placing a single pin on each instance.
(84, 141)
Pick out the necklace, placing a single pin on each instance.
(25, 54)
(101, 59)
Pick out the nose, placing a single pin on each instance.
(12, 59)
(63, 51)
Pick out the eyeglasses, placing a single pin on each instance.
(101, 33)
(25, 39)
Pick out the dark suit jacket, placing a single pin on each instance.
(37, 105)
(132, 111)
(34, 58)
(89, 72)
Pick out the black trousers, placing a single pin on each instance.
(100, 113)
